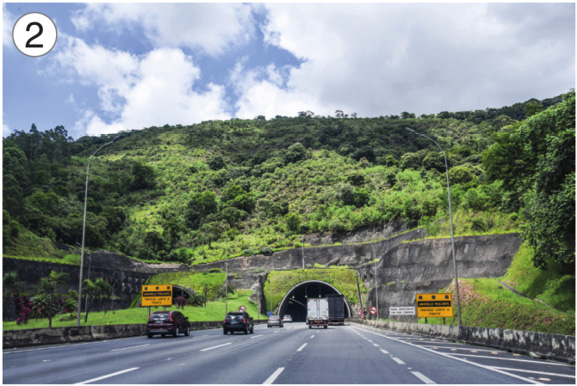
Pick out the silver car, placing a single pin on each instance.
(287, 319)
(274, 320)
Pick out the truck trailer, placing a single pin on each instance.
(336, 308)
(317, 312)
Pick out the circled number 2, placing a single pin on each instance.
(40, 30)
(34, 34)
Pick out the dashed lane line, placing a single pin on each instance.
(108, 376)
(274, 376)
(453, 356)
(398, 360)
(302, 347)
(422, 377)
(128, 348)
(211, 348)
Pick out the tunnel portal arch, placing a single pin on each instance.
(294, 302)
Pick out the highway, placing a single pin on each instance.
(294, 354)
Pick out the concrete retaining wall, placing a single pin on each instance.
(550, 346)
(44, 336)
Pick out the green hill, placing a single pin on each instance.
(217, 189)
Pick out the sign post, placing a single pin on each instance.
(157, 295)
(434, 305)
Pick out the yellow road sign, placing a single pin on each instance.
(434, 305)
(157, 295)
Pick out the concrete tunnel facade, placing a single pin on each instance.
(295, 300)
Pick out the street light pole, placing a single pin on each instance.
(451, 220)
(376, 288)
(84, 232)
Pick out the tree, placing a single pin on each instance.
(550, 141)
(104, 290)
(199, 207)
(90, 291)
(48, 286)
(142, 176)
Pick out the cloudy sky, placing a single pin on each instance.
(134, 65)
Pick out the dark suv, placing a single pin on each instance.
(167, 322)
(238, 321)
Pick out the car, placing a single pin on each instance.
(167, 323)
(287, 318)
(274, 320)
(238, 321)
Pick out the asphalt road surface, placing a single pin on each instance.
(294, 354)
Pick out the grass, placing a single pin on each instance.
(486, 303)
(214, 311)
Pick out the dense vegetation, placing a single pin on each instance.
(221, 188)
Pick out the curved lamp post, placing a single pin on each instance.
(84, 232)
(451, 218)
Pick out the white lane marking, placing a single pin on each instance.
(302, 347)
(256, 336)
(422, 377)
(128, 348)
(384, 351)
(109, 375)
(312, 336)
(274, 376)
(507, 359)
(210, 348)
(452, 356)
(398, 361)
(376, 345)
(537, 372)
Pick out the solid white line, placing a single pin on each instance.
(508, 359)
(109, 375)
(537, 372)
(128, 348)
(398, 361)
(302, 347)
(457, 359)
(220, 345)
(274, 376)
(422, 377)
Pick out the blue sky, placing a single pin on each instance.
(134, 65)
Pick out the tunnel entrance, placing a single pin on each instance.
(294, 302)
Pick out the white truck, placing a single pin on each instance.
(318, 312)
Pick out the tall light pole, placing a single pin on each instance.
(376, 288)
(451, 219)
(84, 231)
(303, 250)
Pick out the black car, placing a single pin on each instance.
(167, 322)
(238, 321)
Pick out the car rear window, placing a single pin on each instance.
(159, 316)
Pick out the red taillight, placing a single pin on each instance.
(244, 321)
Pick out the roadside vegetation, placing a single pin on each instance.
(215, 310)
(219, 189)
(549, 304)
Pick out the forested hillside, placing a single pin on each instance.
(222, 188)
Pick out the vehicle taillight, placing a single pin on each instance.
(244, 321)
(170, 316)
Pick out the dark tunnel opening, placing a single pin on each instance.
(295, 301)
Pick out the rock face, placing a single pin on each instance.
(407, 264)
(426, 266)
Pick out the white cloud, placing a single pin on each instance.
(210, 27)
(137, 92)
(8, 21)
(5, 130)
(379, 59)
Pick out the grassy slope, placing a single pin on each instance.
(213, 311)
(486, 303)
